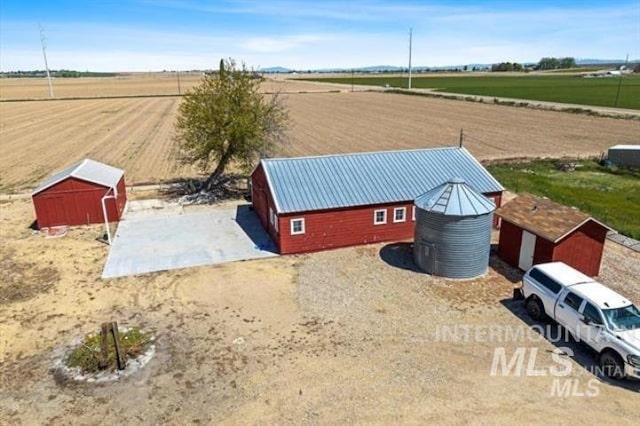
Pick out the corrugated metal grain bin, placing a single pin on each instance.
(625, 155)
(453, 231)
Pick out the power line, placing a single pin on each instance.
(466, 136)
(620, 80)
(46, 64)
(410, 48)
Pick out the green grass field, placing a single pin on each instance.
(552, 88)
(609, 195)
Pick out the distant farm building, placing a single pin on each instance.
(536, 230)
(81, 194)
(624, 155)
(317, 203)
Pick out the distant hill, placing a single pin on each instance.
(275, 70)
(588, 61)
(374, 69)
(380, 68)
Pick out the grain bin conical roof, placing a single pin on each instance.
(455, 198)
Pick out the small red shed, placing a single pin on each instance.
(536, 230)
(81, 194)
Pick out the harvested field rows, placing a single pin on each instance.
(131, 85)
(135, 134)
(37, 138)
(152, 84)
(347, 122)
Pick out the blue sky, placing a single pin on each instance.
(145, 35)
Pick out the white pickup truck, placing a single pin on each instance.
(591, 312)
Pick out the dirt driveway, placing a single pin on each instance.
(344, 336)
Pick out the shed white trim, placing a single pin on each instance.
(580, 225)
(89, 171)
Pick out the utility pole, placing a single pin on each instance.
(352, 79)
(46, 64)
(461, 138)
(178, 76)
(626, 61)
(410, 47)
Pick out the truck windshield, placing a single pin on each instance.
(626, 318)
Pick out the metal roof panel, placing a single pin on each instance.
(346, 180)
(455, 198)
(87, 170)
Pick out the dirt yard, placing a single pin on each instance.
(136, 134)
(344, 336)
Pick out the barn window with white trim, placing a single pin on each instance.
(399, 214)
(297, 226)
(380, 217)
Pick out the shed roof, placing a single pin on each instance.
(543, 217)
(455, 198)
(87, 170)
(346, 180)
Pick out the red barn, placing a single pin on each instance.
(315, 203)
(536, 230)
(81, 194)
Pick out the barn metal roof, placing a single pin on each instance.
(87, 170)
(455, 198)
(346, 180)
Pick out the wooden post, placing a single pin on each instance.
(103, 361)
(106, 329)
(122, 362)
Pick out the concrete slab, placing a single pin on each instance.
(173, 238)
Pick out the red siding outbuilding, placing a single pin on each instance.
(79, 195)
(317, 203)
(536, 230)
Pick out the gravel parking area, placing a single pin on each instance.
(393, 318)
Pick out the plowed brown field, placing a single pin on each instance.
(326, 123)
(163, 84)
(37, 138)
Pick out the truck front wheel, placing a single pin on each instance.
(534, 308)
(611, 364)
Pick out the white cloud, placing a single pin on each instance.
(269, 44)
